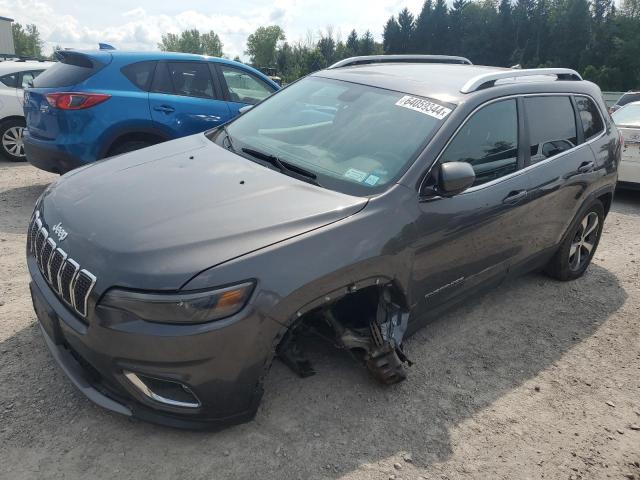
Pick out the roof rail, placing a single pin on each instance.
(347, 62)
(487, 80)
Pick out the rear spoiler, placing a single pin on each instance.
(89, 59)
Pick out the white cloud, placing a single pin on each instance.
(141, 27)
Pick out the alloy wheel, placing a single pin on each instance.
(584, 241)
(12, 141)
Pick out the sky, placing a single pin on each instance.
(139, 24)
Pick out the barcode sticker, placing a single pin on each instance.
(424, 106)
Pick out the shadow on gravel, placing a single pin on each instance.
(18, 202)
(324, 426)
(627, 202)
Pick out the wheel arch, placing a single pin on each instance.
(141, 134)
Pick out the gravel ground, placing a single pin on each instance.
(538, 379)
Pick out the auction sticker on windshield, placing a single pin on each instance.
(424, 106)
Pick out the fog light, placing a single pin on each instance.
(166, 392)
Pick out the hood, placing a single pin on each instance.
(154, 218)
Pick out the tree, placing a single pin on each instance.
(440, 19)
(27, 40)
(261, 45)
(327, 46)
(352, 43)
(391, 36)
(505, 34)
(191, 41)
(405, 39)
(367, 44)
(423, 34)
(456, 26)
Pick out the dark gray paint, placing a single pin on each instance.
(177, 216)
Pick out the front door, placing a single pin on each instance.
(242, 88)
(184, 99)
(469, 240)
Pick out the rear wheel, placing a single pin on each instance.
(576, 251)
(129, 146)
(11, 139)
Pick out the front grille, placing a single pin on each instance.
(67, 279)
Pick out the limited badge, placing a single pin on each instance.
(423, 106)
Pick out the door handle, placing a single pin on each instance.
(586, 167)
(164, 108)
(515, 196)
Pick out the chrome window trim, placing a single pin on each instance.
(51, 242)
(92, 277)
(522, 170)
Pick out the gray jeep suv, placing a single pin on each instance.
(357, 203)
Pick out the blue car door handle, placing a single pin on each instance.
(164, 108)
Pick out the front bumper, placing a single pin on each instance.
(223, 367)
(46, 155)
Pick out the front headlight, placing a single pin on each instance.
(188, 307)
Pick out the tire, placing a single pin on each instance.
(128, 146)
(11, 135)
(577, 249)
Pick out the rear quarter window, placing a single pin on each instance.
(72, 69)
(590, 117)
(10, 80)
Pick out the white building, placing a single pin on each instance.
(7, 48)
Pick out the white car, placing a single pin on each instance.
(15, 76)
(627, 119)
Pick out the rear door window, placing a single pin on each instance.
(552, 126)
(140, 74)
(488, 141)
(161, 80)
(628, 98)
(590, 117)
(243, 86)
(192, 79)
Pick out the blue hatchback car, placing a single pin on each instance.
(93, 105)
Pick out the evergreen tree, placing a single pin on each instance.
(405, 22)
(352, 43)
(367, 44)
(423, 33)
(391, 37)
(440, 20)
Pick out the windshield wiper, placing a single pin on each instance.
(284, 167)
(227, 137)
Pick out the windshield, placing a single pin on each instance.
(354, 138)
(629, 115)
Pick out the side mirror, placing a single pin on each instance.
(244, 109)
(455, 178)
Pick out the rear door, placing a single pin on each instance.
(562, 164)
(186, 99)
(241, 87)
